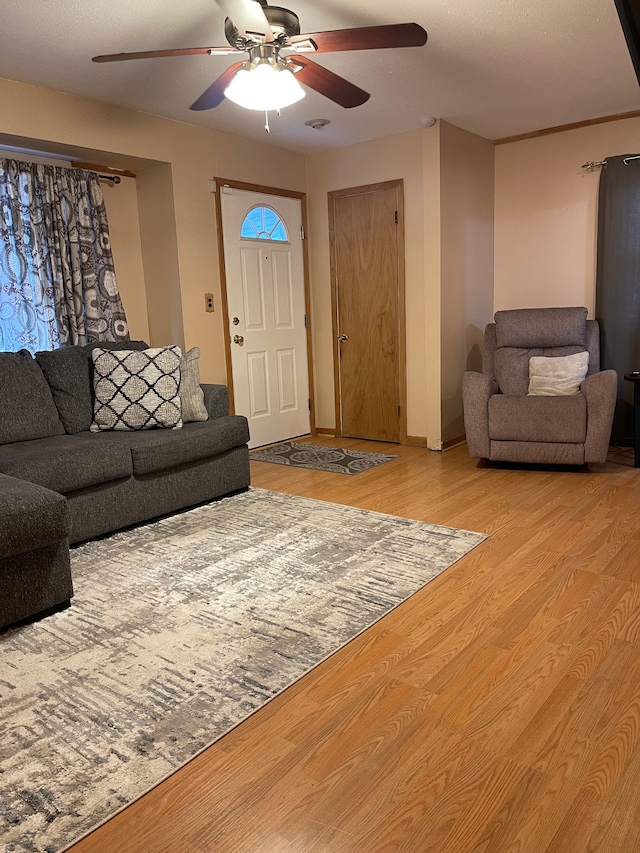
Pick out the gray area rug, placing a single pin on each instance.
(179, 630)
(338, 460)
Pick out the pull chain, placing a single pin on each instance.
(266, 120)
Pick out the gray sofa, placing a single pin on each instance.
(503, 423)
(61, 484)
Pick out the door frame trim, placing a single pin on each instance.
(224, 300)
(401, 290)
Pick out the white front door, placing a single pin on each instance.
(265, 293)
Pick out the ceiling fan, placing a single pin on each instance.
(279, 57)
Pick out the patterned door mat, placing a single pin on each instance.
(337, 460)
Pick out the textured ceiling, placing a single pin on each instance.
(494, 67)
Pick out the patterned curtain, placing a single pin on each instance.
(57, 279)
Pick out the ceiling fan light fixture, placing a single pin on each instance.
(264, 87)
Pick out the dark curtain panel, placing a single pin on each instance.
(618, 282)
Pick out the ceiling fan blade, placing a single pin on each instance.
(152, 54)
(327, 83)
(366, 38)
(248, 16)
(214, 95)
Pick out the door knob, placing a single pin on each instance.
(238, 339)
(343, 338)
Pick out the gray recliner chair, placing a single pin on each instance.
(503, 423)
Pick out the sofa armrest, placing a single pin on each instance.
(31, 517)
(600, 391)
(216, 400)
(477, 389)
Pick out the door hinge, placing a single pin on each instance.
(306, 322)
(302, 232)
(398, 411)
(309, 403)
(396, 217)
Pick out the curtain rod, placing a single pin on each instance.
(103, 171)
(114, 178)
(590, 165)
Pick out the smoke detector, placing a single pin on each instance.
(317, 123)
(427, 121)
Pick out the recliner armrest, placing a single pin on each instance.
(216, 400)
(600, 391)
(477, 389)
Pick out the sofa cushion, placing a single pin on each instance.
(158, 450)
(541, 327)
(216, 400)
(27, 410)
(511, 365)
(539, 419)
(69, 373)
(136, 390)
(65, 463)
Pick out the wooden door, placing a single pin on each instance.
(366, 265)
(264, 270)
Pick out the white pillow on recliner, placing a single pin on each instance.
(559, 376)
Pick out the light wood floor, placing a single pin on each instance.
(497, 711)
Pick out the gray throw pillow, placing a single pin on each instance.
(136, 389)
(191, 394)
(27, 410)
(68, 373)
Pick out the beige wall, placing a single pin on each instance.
(545, 214)
(466, 210)
(446, 174)
(182, 229)
(390, 158)
(448, 188)
(159, 246)
(121, 201)
(430, 327)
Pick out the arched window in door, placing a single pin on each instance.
(264, 223)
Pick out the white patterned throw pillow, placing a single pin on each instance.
(557, 376)
(136, 389)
